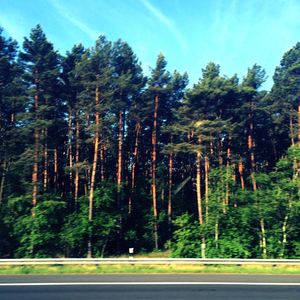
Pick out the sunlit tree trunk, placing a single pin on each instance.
(94, 167)
(220, 148)
(120, 150)
(234, 184)
(227, 176)
(154, 133)
(241, 169)
(134, 162)
(206, 171)
(288, 211)
(217, 232)
(70, 152)
(76, 180)
(263, 237)
(45, 154)
(35, 158)
(170, 193)
(251, 150)
(45, 160)
(284, 229)
(295, 175)
(254, 184)
(199, 196)
(102, 177)
(198, 187)
(119, 176)
(55, 168)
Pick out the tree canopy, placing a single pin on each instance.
(96, 157)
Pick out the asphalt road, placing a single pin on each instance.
(138, 287)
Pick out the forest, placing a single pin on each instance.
(96, 157)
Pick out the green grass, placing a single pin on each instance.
(147, 269)
(153, 254)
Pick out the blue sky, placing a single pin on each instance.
(233, 33)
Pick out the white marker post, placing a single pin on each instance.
(131, 252)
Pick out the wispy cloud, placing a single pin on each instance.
(167, 22)
(12, 27)
(76, 21)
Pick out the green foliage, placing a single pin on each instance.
(186, 237)
(38, 235)
(228, 134)
(102, 229)
(235, 236)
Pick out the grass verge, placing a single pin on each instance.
(148, 269)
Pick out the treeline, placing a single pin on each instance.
(95, 157)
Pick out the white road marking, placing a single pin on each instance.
(151, 283)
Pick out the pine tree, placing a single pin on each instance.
(158, 88)
(128, 81)
(72, 90)
(254, 78)
(12, 105)
(283, 101)
(42, 71)
(95, 71)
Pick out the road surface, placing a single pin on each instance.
(138, 287)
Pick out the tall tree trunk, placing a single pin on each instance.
(217, 232)
(94, 167)
(206, 170)
(241, 169)
(227, 175)
(76, 181)
(45, 159)
(292, 134)
(284, 229)
(35, 157)
(274, 149)
(2, 186)
(162, 197)
(263, 237)
(254, 184)
(45, 154)
(103, 156)
(55, 178)
(35, 167)
(198, 187)
(87, 185)
(220, 148)
(5, 169)
(234, 184)
(199, 196)
(70, 152)
(170, 193)
(154, 133)
(119, 177)
(292, 128)
(134, 162)
(251, 151)
(120, 152)
(286, 217)
(102, 176)
(226, 201)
